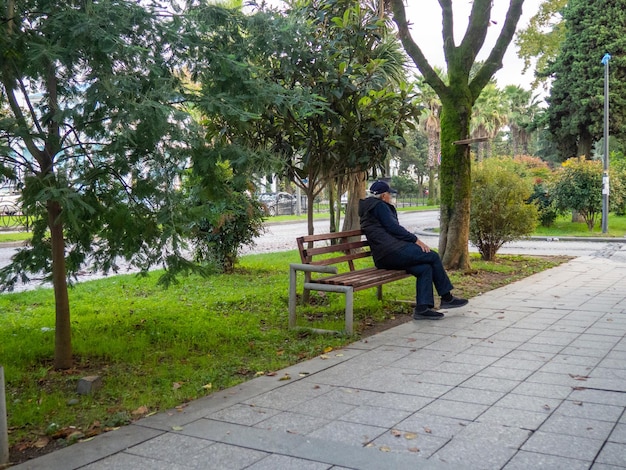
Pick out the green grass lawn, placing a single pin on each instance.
(156, 349)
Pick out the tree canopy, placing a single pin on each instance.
(576, 111)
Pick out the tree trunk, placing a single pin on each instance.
(62, 332)
(356, 192)
(455, 180)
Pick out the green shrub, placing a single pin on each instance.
(542, 197)
(499, 212)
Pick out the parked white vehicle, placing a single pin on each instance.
(9, 201)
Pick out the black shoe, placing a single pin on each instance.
(455, 302)
(428, 314)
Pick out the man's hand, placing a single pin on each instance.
(425, 248)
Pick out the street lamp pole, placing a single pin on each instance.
(605, 173)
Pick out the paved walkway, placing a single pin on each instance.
(532, 375)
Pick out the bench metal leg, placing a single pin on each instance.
(292, 297)
(349, 311)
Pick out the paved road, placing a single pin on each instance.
(281, 237)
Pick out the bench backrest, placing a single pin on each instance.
(333, 248)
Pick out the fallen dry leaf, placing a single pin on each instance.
(396, 433)
(328, 349)
(41, 442)
(285, 377)
(208, 386)
(385, 449)
(259, 373)
(323, 356)
(176, 385)
(413, 449)
(427, 430)
(271, 374)
(142, 410)
(410, 436)
(177, 428)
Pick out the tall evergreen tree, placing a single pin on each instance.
(576, 112)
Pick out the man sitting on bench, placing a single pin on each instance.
(394, 247)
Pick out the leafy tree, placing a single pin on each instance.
(457, 98)
(94, 132)
(578, 187)
(500, 211)
(576, 111)
(541, 40)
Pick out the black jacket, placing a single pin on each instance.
(379, 222)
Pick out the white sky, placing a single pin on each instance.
(425, 17)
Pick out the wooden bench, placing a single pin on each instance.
(321, 255)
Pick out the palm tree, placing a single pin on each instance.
(489, 114)
(523, 107)
(431, 124)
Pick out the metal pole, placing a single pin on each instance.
(4, 430)
(605, 173)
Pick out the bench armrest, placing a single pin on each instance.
(313, 269)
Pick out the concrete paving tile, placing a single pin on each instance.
(531, 355)
(554, 338)
(516, 363)
(439, 426)
(283, 462)
(172, 447)
(400, 401)
(495, 434)
(467, 358)
(350, 433)
(504, 373)
(530, 403)
(603, 397)
(293, 423)
(322, 407)
(567, 369)
(482, 350)
(619, 434)
(527, 460)
(288, 397)
(613, 363)
(455, 409)
(352, 396)
(227, 457)
(491, 384)
(243, 414)
(422, 444)
(523, 419)
(468, 454)
(580, 448)
(541, 348)
(568, 360)
(589, 352)
(375, 416)
(443, 378)
(419, 388)
(459, 368)
(453, 344)
(550, 378)
(613, 454)
(124, 461)
(472, 395)
(603, 466)
(572, 426)
(543, 390)
(588, 410)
